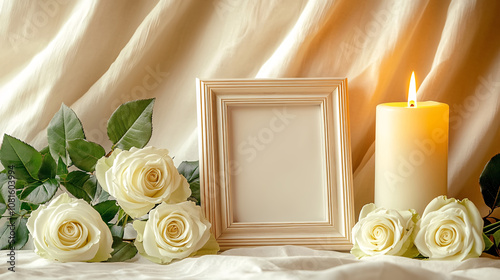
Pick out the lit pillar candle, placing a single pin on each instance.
(411, 152)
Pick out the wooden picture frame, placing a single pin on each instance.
(275, 162)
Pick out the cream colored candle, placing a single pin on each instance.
(411, 153)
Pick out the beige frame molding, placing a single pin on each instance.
(319, 103)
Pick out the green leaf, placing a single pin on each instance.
(107, 209)
(190, 170)
(62, 170)
(5, 230)
(131, 124)
(9, 198)
(3, 206)
(29, 207)
(117, 231)
(81, 185)
(491, 228)
(39, 193)
(3, 184)
(22, 233)
(420, 257)
(496, 237)
(490, 182)
(122, 250)
(123, 218)
(18, 225)
(24, 158)
(84, 154)
(100, 194)
(90, 187)
(48, 168)
(64, 126)
(487, 243)
(20, 184)
(45, 151)
(74, 184)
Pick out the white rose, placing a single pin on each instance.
(450, 230)
(141, 178)
(384, 232)
(173, 231)
(69, 230)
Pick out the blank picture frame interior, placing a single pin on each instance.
(275, 162)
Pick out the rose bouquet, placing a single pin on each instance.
(130, 184)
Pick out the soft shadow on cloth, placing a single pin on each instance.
(95, 55)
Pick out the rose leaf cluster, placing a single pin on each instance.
(32, 177)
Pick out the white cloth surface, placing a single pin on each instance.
(94, 55)
(273, 263)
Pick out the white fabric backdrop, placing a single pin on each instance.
(95, 55)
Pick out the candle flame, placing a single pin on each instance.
(412, 92)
